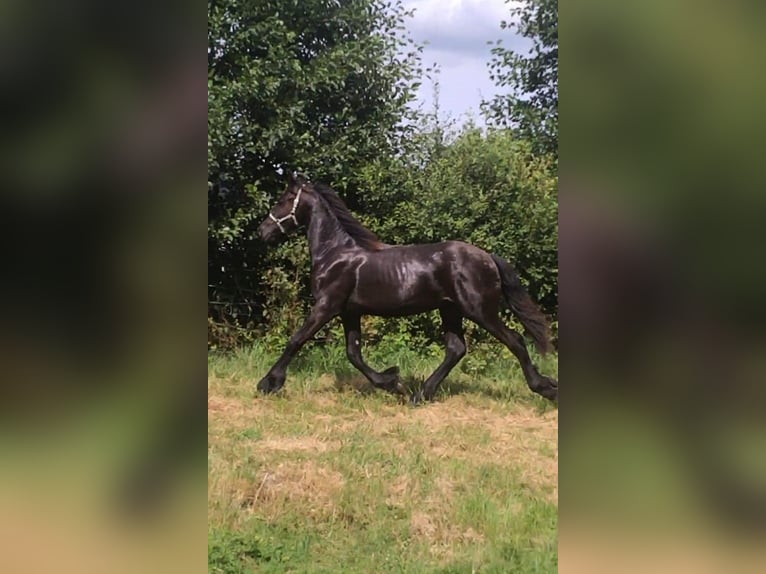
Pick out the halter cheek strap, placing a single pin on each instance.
(290, 215)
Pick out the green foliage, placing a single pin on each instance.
(531, 106)
(333, 103)
(316, 85)
(231, 553)
(488, 189)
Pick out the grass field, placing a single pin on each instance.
(331, 476)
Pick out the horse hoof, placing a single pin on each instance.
(551, 390)
(417, 398)
(390, 381)
(270, 384)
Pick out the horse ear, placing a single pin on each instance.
(300, 178)
(291, 178)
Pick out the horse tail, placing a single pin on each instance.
(522, 305)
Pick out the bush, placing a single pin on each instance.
(486, 189)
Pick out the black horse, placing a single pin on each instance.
(353, 274)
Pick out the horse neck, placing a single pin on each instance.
(325, 232)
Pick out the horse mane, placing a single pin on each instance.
(350, 224)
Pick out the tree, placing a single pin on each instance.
(318, 85)
(531, 106)
(489, 189)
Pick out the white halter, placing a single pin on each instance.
(290, 215)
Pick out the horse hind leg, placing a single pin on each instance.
(538, 383)
(452, 324)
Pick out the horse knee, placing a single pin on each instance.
(353, 352)
(456, 347)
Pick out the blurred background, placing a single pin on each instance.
(662, 436)
(661, 210)
(102, 432)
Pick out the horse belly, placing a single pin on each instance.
(397, 292)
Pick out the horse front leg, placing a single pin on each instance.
(388, 380)
(319, 316)
(454, 350)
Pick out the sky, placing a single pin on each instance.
(457, 32)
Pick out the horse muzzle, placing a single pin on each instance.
(268, 232)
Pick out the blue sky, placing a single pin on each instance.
(458, 32)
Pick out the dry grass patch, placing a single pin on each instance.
(398, 491)
(309, 444)
(433, 523)
(523, 439)
(440, 534)
(233, 413)
(322, 476)
(304, 485)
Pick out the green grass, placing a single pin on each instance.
(331, 476)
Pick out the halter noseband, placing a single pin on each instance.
(290, 215)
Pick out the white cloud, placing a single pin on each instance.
(459, 26)
(457, 32)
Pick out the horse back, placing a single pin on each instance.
(406, 279)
